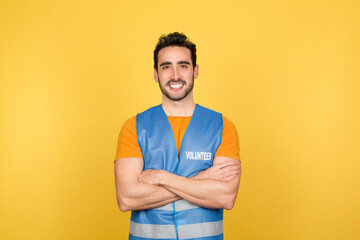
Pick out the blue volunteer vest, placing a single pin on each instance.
(180, 219)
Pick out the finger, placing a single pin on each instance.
(228, 170)
(222, 165)
(229, 178)
(229, 173)
(231, 168)
(228, 163)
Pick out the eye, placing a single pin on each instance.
(165, 67)
(183, 66)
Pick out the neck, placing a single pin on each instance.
(182, 108)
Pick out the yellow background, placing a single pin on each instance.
(285, 72)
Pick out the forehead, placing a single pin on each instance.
(174, 54)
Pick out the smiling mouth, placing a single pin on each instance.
(176, 85)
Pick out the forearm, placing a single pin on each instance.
(209, 193)
(215, 187)
(134, 195)
(141, 196)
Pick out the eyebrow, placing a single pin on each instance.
(183, 62)
(165, 63)
(179, 62)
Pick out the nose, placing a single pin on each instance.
(175, 74)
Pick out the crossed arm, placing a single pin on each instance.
(215, 187)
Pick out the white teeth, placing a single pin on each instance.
(175, 85)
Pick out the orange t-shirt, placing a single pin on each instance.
(128, 145)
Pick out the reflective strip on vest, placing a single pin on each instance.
(197, 230)
(180, 205)
(182, 220)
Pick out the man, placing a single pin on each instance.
(177, 165)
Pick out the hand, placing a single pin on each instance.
(225, 171)
(151, 176)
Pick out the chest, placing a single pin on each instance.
(197, 148)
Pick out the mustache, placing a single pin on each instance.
(173, 81)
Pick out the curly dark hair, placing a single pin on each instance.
(174, 39)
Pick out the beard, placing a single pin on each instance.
(187, 90)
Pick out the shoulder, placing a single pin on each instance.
(129, 124)
(150, 111)
(209, 116)
(229, 130)
(207, 110)
(128, 130)
(228, 124)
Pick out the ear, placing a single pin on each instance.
(196, 71)
(156, 77)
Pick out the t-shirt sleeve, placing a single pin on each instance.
(128, 146)
(229, 146)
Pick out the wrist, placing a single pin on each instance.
(162, 177)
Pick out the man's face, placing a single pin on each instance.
(175, 73)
